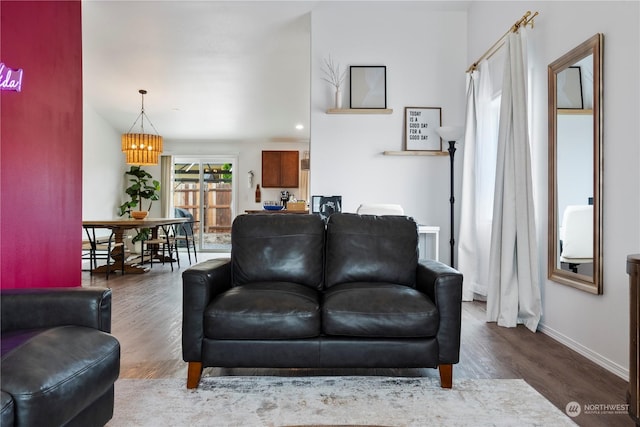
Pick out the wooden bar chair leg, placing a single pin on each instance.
(193, 243)
(188, 250)
(192, 238)
(175, 245)
(108, 263)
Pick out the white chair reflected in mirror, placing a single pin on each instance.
(576, 236)
(380, 209)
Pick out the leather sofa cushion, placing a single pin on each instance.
(6, 409)
(14, 339)
(279, 248)
(378, 310)
(370, 248)
(55, 374)
(264, 310)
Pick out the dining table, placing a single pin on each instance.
(119, 227)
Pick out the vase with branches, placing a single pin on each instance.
(335, 78)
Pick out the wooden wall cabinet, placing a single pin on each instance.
(280, 169)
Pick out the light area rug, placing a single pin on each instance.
(315, 401)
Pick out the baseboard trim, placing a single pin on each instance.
(596, 358)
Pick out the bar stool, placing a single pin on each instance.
(185, 236)
(166, 241)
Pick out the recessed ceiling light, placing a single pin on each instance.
(299, 126)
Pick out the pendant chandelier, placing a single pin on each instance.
(142, 148)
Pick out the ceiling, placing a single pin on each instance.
(213, 70)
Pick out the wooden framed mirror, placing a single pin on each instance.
(575, 167)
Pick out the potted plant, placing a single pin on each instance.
(143, 187)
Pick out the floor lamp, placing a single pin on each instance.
(451, 134)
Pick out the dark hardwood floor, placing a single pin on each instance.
(147, 320)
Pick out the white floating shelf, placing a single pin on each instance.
(360, 111)
(415, 153)
(575, 111)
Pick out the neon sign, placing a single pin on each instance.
(10, 79)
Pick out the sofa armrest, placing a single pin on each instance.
(200, 284)
(48, 307)
(443, 285)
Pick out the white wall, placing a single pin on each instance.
(424, 50)
(102, 167)
(596, 326)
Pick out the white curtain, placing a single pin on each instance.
(468, 240)
(514, 290)
(166, 180)
(478, 178)
(496, 250)
(304, 186)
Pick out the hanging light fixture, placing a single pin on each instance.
(142, 148)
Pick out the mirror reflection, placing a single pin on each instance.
(574, 167)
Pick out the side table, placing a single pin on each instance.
(423, 245)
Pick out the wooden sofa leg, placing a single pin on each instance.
(193, 374)
(446, 376)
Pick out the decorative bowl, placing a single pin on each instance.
(273, 207)
(139, 214)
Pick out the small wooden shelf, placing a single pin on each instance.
(575, 111)
(415, 153)
(360, 111)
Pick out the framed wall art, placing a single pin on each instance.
(368, 86)
(420, 128)
(570, 88)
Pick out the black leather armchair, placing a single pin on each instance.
(298, 295)
(59, 362)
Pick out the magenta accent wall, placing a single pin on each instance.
(41, 145)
